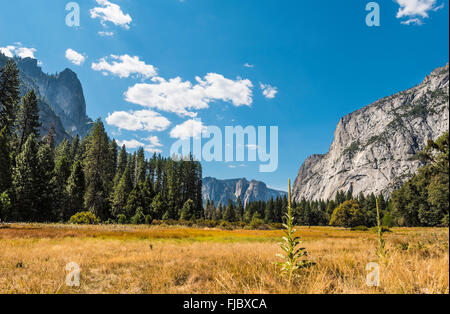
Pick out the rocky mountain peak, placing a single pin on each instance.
(373, 148)
(220, 191)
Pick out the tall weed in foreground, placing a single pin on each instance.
(294, 256)
(381, 250)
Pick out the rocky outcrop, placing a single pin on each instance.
(220, 191)
(61, 99)
(63, 92)
(374, 148)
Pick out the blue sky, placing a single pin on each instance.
(320, 56)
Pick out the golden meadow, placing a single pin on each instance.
(159, 259)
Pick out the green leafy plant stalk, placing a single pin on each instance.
(294, 257)
(381, 250)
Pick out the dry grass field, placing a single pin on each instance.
(138, 259)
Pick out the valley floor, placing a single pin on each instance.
(142, 259)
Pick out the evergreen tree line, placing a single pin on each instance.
(306, 213)
(44, 182)
(421, 201)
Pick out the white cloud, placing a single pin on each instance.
(416, 10)
(190, 128)
(268, 91)
(124, 66)
(106, 34)
(8, 51)
(145, 120)
(111, 12)
(181, 97)
(19, 51)
(131, 144)
(154, 141)
(151, 149)
(75, 57)
(154, 144)
(247, 65)
(25, 52)
(412, 21)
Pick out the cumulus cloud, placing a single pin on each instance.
(247, 65)
(124, 66)
(133, 144)
(111, 12)
(19, 51)
(75, 57)
(181, 97)
(268, 91)
(8, 51)
(142, 120)
(191, 128)
(416, 10)
(154, 141)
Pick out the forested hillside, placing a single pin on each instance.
(44, 182)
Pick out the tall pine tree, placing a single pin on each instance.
(9, 95)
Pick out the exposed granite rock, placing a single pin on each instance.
(374, 148)
(61, 98)
(220, 191)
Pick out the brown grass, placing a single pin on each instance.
(134, 259)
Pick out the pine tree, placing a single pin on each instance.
(97, 172)
(62, 173)
(28, 118)
(121, 164)
(75, 191)
(45, 186)
(121, 193)
(240, 209)
(230, 212)
(74, 148)
(5, 161)
(158, 207)
(140, 167)
(270, 211)
(25, 176)
(9, 95)
(187, 212)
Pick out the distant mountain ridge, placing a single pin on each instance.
(61, 98)
(220, 191)
(374, 148)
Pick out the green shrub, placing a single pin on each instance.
(226, 225)
(122, 219)
(276, 226)
(5, 206)
(148, 220)
(360, 228)
(206, 223)
(384, 229)
(139, 217)
(257, 223)
(445, 221)
(84, 218)
(347, 215)
(388, 220)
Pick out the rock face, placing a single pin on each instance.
(61, 98)
(63, 92)
(220, 191)
(374, 148)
